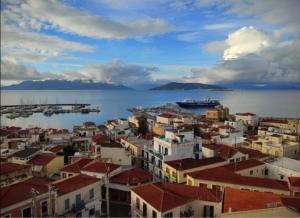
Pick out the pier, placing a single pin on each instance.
(26, 110)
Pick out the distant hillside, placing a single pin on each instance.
(187, 86)
(63, 85)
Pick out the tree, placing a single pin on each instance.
(69, 151)
(143, 126)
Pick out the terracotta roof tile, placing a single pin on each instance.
(167, 115)
(42, 159)
(224, 151)
(164, 196)
(8, 167)
(73, 183)
(190, 163)
(242, 165)
(244, 200)
(98, 139)
(132, 177)
(20, 191)
(221, 174)
(294, 181)
(292, 203)
(98, 166)
(76, 166)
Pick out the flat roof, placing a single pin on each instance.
(287, 163)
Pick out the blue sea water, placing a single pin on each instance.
(114, 103)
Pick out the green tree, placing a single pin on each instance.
(143, 126)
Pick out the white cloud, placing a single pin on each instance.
(219, 26)
(216, 47)
(244, 41)
(32, 46)
(55, 14)
(115, 72)
(253, 56)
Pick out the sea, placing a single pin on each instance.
(115, 103)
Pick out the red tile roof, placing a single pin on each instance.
(245, 114)
(167, 115)
(98, 166)
(244, 200)
(190, 163)
(132, 177)
(20, 191)
(221, 174)
(76, 166)
(4, 132)
(73, 183)
(8, 167)
(89, 123)
(274, 121)
(242, 165)
(42, 159)
(292, 203)
(98, 139)
(164, 196)
(252, 153)
(224, 151)
(294, 181)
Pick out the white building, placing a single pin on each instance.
(118, 128)
(176, 144)
(247, 118)
(282, 167)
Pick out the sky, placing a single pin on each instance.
(135, 42)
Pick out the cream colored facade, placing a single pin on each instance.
(6, 179)
(209, 184)
(257, 171)
(116, 155)
(197, 206)
(89, 203)
(293, 125)
(53, 166)
(179, 176)
(275, 145)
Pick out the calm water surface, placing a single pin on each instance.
(114, 103)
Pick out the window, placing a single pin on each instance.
(26, 212)
(92, 212)
(169, 214)
(137, 203)
(231, 160)
(67, 204)
(91, 193)
(44, 208)
(251, 172)
(266, 172)
(78, 199)
(244, 158)
(238, 159)
(144, 210)
(167, 170)
(64, 175)
(281, 177)
(154, 214)
(166, 151)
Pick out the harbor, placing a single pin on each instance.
(25, 111)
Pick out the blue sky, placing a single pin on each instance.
(134, 41)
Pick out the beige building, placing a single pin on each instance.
(218, 113)
(46, 164)
(276, 145)
(78, 195)
(289, 125)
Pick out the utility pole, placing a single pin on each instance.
(107, 192)
(34, 193)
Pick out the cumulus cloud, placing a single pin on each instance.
(119, 73)
(13, 70)
(32, 46)
(54, 14)
(115, 72)
(253, 56)
(244, 41)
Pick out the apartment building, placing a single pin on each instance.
(249, 119)
(12, 172)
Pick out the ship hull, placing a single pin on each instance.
(196, 105)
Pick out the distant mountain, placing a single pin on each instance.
(63, 85)
(188, 86)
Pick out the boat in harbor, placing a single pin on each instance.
(205, 103)
(13, 115)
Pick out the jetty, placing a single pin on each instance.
(26, 110)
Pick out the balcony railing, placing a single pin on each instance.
(187, 213)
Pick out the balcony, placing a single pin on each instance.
(138, 211)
